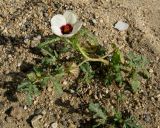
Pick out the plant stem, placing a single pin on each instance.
(82, 52)
(87, 58)
(91, 59)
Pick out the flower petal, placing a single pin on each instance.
(56, 30)
(70, 17)
(56, 22)
(76, 28)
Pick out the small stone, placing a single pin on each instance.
(94, 21)
(1, 124)
(84, 24)
(101, 21)
(121, 26)
(158, 97)
(71, 125)
(151, 70)
(18, 112)
(54, 125)
(72, 91)
(38, 38)
(107, 91)
(65, 82)
(36, 122)
(49, 89)
(96, 97)
(9, 56)
(19, 64)
(25, 107)
(147, 118)
(44, 112)
(1, 105)
(96, 33)
(90, 92)
(37, 111)
(9, 119)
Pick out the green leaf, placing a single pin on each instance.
(89, 73)
(38, 71)
(98, 111)
(23, 85)
(56, 81)
(49, 61)
(29, 99)
(135, 84)
(131, 123)
(58, 87)
(31, 76)
(44, 81)
(89, 36)
(116, 57)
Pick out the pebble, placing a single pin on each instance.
(25, 107)
(158, 97)
(65, 82)
(72, 91)
(49, 89)
(1, 105)
(17, 112)
(37, 111)
(147, 118)
(151, 70)
(44, 112)
(36, 122)
(107, 91)
(94, 21)
(9, 56)
(101, 21)
(19, 64)
(54, 125)
(38, 38)
(121, 26)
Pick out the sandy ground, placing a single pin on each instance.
(23, 23)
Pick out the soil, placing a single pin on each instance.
(25, 23)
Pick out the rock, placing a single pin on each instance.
(101, 21)
(38, 111)
(147, 118)
(121, 26)
(71, 125)
(1, 124)
(36, 123)
(25, 107)
(93, 21)
(151, 70)
(54, 125)
(18, 112)
(1, 105)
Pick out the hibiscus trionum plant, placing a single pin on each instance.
(73, 52)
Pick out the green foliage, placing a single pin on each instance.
(114, 68)
(30, 88)
(119, 120)
(98, 113)
(138, 65)
(47, 72)
(126, 71)
(88, 72)
(124, 122)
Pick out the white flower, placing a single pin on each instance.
(65, 25)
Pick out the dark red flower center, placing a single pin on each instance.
(66, 29)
